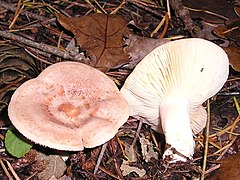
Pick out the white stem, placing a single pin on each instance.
(174, 114)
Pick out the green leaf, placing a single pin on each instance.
(16, 144)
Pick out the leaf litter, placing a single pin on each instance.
(101, 36)
(133, 38)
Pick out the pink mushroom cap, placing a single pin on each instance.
(69, 106)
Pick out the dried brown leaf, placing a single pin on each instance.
(16, 66)
(101, 36)
(233, 52)
(138, 47)
(127, 169)
(147, 149)
(131, 154)
(229, 168)
(55, 166)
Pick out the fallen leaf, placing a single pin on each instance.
(101, 36)
(231, 31)
(147, 149)
(131, 154)
(229, 168)
(138, 47)
(207, 33)
(16, 144)
(211, 11)
(127, 169)
(233, 52)
(16, 66)
(55, 166)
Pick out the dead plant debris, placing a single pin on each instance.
(119, 35)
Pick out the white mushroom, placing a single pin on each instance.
(167, 88)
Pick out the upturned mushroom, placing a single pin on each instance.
(167, 88)
(69, 106)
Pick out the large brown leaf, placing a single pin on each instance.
(16, 66)
(233, 52)
(101, 36)
(229, 169)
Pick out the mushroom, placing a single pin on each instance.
(167, 88)
(69, 106)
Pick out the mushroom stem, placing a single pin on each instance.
(174, 114)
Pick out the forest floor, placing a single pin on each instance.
(35, 34)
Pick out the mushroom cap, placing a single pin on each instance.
(69, 106)
(193, 68)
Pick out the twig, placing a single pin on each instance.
(17, 12)
(92, 6)
(118, 170)
(212, 169)
(183, 13)
(31, 176)
(208, 12)
(160, 24)
(27, 13)
(168, 9)
(237, 105)
(165, 27)
(206, 142)
(5, 170)
(12, 170)
(226, 148)
(119, 7)
(43, 47)
(107, 172)
(145, 8)
(233, 126)
(121, 146)
(104, 147)
(29, 50)
(100, 7)
(228, 132)
(138, 131)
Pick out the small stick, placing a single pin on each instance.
(104, 147)
(212, 169)
(160, 24)
(100, 7)
(5, 170)
(138, 132)
(12, 170)
(184, 15)
(17, 12)
(226, 148)
(207, 12)
(121, 146)
(107, 172)
(44, 47)
(168, 9)
(233, 126)
(165, 27)
(206, 142)
(119, 7)
(24, 12)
